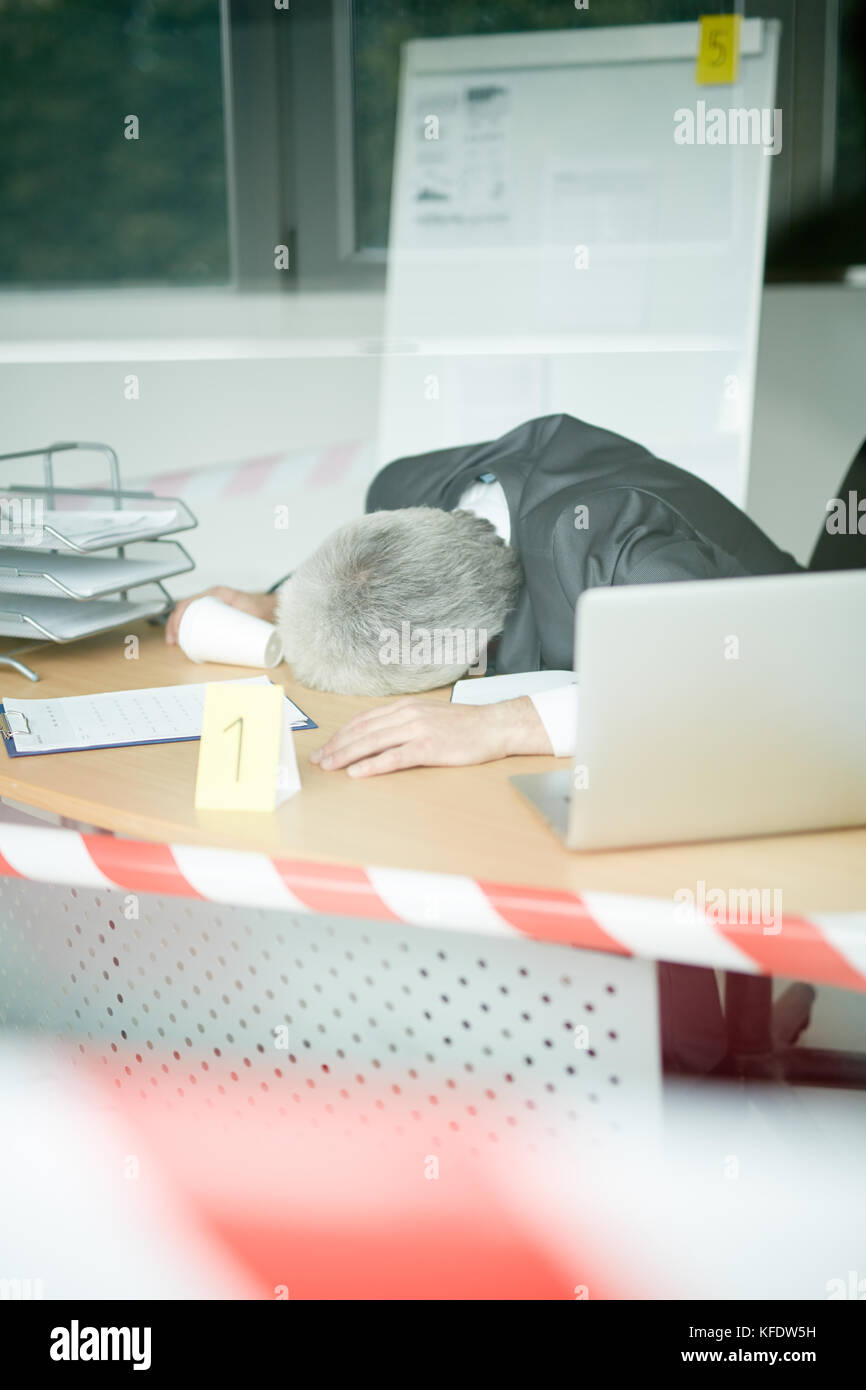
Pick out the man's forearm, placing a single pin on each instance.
(522, 729)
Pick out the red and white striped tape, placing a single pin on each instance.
(277, 474)
(828, 948)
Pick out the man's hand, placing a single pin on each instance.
(260, 605)
(432, 733)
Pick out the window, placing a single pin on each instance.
(850, 160)
(82, 203)
(821, 88)
(260, 126)
(379, 27)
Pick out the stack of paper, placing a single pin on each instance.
(48, 527)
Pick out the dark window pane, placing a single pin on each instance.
(850, 175)
(79, 203)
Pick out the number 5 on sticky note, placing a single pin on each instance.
(718, 49)
(240, 748)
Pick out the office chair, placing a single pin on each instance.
(761, 1035)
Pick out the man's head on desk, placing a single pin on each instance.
(398, 602)
(395, 603)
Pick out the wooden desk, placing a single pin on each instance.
(173, 1007)
(467, 821)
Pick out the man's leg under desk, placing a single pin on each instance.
(693, 1030)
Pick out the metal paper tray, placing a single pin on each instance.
(67, 619)
(35, 518)
(60, 574)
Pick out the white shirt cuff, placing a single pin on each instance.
(557, 710)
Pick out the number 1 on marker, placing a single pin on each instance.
(240, 722)
(239, 753)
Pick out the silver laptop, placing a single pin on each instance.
(713, 709)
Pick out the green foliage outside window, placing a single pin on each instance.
(79, 203)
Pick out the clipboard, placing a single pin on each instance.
(36, 719)
(9, 734)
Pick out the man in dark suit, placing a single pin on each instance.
(502, 538)
(587, 507)
(498, 539)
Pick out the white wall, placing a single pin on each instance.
(810, 407)
(285, 375)
(221, 377)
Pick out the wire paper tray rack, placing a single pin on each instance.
(75, 562)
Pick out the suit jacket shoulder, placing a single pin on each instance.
(588, 507)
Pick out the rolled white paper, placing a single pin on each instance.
(214, 631)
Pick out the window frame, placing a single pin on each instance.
(317, 171)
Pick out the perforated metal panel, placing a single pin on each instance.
(331, 1019)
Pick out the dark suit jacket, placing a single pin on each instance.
(645, 521)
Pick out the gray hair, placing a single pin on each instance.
(418, 569)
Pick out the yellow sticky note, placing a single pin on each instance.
(718, 49)
(240, 748)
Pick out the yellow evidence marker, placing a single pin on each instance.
(246, 759)
(718, 60)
